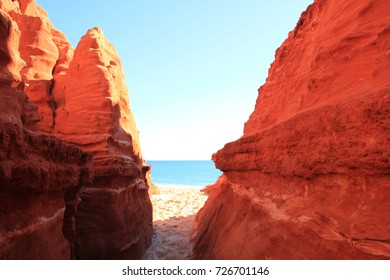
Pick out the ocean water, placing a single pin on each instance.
(190, 174)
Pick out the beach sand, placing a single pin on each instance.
(174, 211)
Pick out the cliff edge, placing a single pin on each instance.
(309, 179)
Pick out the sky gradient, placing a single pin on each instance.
(192, 67)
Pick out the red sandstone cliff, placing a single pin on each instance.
(36, 169)
(46, 53)
(309, 179)
(51, 96)
(114, 216)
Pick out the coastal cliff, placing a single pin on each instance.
(114, 216)
(36, 169)
(73, 181)
(309, 178)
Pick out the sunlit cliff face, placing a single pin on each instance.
(308, 180)
(81, 99)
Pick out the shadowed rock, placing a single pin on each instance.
(36, 169)
(86, 195)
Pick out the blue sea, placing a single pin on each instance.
(190, 174)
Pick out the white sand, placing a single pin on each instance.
(174, 211)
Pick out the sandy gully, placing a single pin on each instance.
(174, 211)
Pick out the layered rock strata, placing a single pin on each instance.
(309, 179)
(114, 216)
(59, 109)
(36, 169)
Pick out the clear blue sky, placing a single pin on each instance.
(192, 67)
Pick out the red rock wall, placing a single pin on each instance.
(47, 54)
(36, 169)
(114, 216)
(80, 97)
(309, 179)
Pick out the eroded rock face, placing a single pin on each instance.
(47, 55)
(35, 173)
(114, 217)
(309, 179)
(36, 169)
(57, 110)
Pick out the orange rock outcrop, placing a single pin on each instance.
(47, 54)
(309, 179)
(73, 181)
(94, 114)
(36, 169)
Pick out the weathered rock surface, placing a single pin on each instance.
(47, 54)
(36, 169)
(309, 179)
(49, 92)
(153, 189)
(114, 217)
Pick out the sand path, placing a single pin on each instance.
(174, 211)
